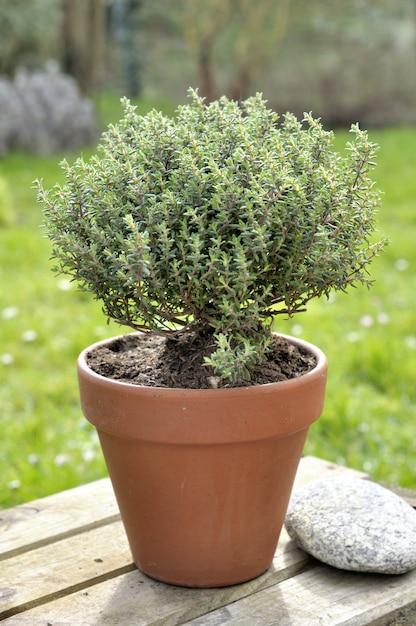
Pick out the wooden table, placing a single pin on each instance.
(65, 562)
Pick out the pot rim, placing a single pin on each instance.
(203, 416)
(320, 370)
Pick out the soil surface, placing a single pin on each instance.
(155, 361)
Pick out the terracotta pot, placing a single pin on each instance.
(203, 477)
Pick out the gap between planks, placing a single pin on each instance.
(51, 519)
(59, 537)
(82, 586)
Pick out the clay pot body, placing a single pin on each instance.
(203, 477)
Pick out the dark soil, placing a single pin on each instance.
(154, 361)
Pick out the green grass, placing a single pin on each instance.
(369, 338)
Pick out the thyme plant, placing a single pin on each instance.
(215, 221)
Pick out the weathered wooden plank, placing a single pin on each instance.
(322, 596)
(48, 519)
(319, 597)
(56, 569)
(133, 598)
(312, 468)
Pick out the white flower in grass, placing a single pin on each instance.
(88, 455)
(354, 336)
(10, 312)
(7, 359)
(368, 466)
(411, 342)
(401, 265)
(383, 318)
(297, 330)
(64, 284)
(29, 335)
(14, 484)
(61, 459)
(366, 321)
(33, 459)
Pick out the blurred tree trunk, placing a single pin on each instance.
(202, 24)
(244, 32)
(206, 73)
(125, 18)
(258, 29)
(84, 35)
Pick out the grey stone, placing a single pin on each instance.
(354, 524)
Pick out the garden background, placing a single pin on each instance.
(64, 66)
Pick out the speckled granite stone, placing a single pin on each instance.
(354, 524)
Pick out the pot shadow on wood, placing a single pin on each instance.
(136, 596)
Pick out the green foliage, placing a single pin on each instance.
(217, 219)
(5, 209)
(29, 32)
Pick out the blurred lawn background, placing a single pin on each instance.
(369, 338)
